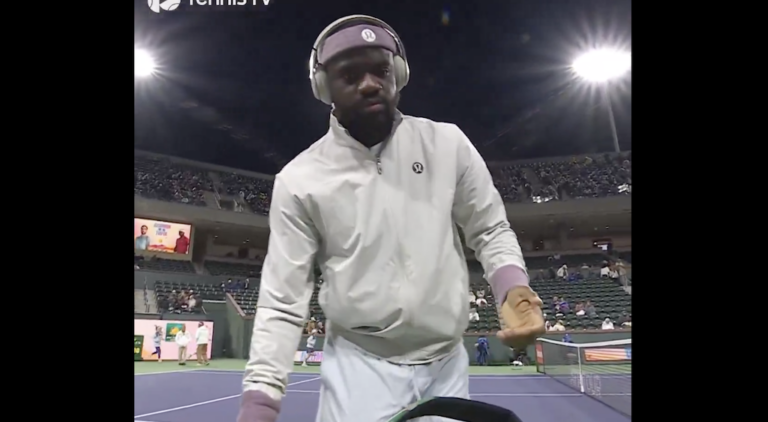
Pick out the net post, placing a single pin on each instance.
(581, 369)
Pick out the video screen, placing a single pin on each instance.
(161, 236)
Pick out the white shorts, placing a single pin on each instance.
(355, 383)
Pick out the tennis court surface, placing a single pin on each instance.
(213, 396)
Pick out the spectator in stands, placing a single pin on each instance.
(590, 309)
(607, 324)
(565, 307)
(247, 283)
(579, 309)
(562, 272)
(173, 300)
(473, 315)
(481, 298)
(182, 243)
(559, 326)
(191, 302)
(162, 303)
(142, 241)
(163, 180)
(472, 297)
(625, 320)
(605, 270)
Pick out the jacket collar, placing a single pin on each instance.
(341, 135)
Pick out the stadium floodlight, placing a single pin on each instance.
(602, 65)
(144, 64)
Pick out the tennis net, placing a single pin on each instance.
(601, 370)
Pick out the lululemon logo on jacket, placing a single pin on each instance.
(418, 168)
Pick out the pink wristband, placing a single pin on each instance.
(505, 279)
(256, 406)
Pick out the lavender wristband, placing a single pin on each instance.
(256, 406)
(505, 279)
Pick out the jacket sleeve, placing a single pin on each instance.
(479, 211)
(284, 294)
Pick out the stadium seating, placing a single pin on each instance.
(162, 179)
(608, 298)
(233, 269)
(565, 179)
(572, 261)
(256, 192)
(167, 265)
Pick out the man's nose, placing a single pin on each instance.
(369, 85)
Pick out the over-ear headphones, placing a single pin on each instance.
(317, 76)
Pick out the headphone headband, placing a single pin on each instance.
(313, 57)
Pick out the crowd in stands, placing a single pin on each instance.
(184, 301)
(585, 178)
(160, 178)
(576, 178)
(254, 191)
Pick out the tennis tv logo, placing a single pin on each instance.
(158, 6)
(166, 5)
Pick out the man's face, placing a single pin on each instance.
(181, 234)
(362, 86)
(143, 230)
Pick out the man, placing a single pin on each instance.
(182, 243)
(482, 351)
(202, 339)
(182, 340)
(142, 241)
(376, 203)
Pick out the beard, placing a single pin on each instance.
(369, 128)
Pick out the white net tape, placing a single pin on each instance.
(601, 370)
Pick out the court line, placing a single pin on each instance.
(159, 412)
(499, 394)
(216, 372)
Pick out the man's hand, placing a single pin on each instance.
(523, 319)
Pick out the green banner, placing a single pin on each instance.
(171, 329)
(138, 346)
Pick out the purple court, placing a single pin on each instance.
(213, 396)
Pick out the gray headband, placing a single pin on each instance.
(358, 36)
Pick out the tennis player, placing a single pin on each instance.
(310, 345)
(376, 203)
(157, 339)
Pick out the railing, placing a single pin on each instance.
(146, 296)
(217, 195)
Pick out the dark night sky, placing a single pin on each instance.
(498, 69)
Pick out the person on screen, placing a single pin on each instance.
(142, 241)
(182, 243)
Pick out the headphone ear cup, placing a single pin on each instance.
(319, 87)
(402, 72)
